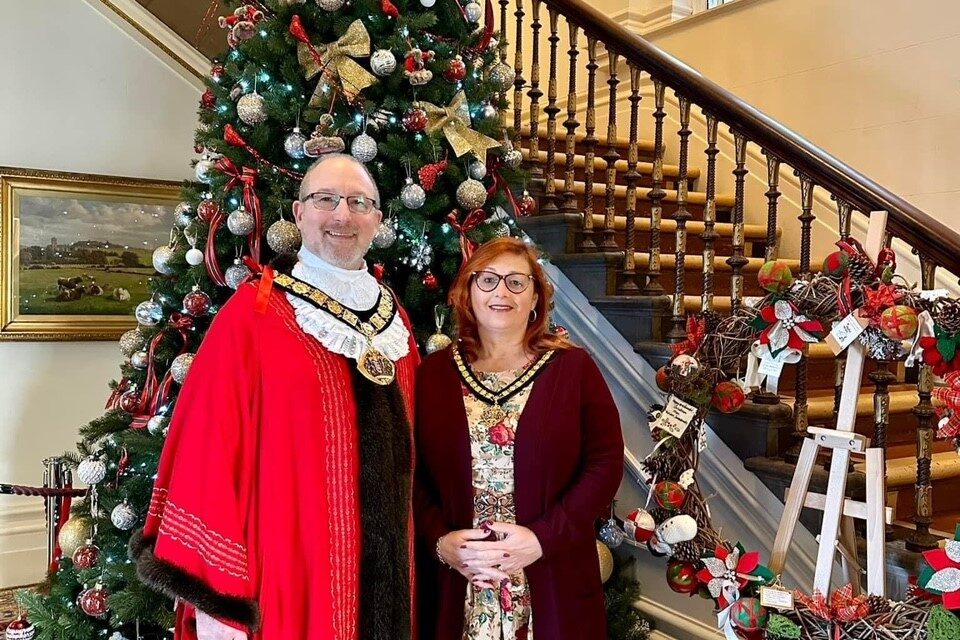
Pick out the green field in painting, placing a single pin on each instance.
(38, 289)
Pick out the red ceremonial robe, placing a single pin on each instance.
(256, 512)
(568, 463)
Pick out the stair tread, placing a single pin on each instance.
(599, 164)
(820, 401)
(902, 472)
(643, 145)
(669, 225)
(723, 200)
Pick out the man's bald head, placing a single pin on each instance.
(305, 183)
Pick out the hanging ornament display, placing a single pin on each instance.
(386, 234)
(86, 556)
(181, 366)
(241, 25)
(473, 11)
(194, 257)
(331, 5)
(502, 76)
(197, 302)
(162, 258)
(149, 313)
(182, 214)
(73, 534)
(204, 169)
(123, 516)
(139, 360)
(430, 281)
(383, 62)
(283, 236)
(157, 425)
(131, 342)
(486, 111)
(241, 222)
(500, 228)
(414, 66)
(421, 253)
(91, 470)
(217, 72)
(415, 120)
(412, 195)
(293, 144)
(428, 3)
(728, 397)
(93, 602)
(236, 274)
(20, 628)
(471, 194)
(456, 70)
(439, 340)
(252, 108)
(477, 170)
(206, 210)
(526, 204)
(611, 534)
(364, 148)
(899, 322)
(208, 100)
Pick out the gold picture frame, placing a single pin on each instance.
(107, 227)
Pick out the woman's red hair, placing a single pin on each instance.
(537, 338)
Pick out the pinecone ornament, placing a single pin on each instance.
(686, 552)
(860, 269)
(949, 318)
(878, 604)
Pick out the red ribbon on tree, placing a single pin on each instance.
(247, 178)
(471, 222)
(122, 465)
(500, 183)
(113, 401)
(234, 139)
(298, 31)
(155, 393)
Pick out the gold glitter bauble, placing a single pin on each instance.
(73, 534)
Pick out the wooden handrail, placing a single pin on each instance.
(919, 229)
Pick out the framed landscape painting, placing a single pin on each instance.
(76, 251)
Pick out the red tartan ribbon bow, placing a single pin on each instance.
(696, 330)
(245, 177)
(950, 397)
(883, 297)
(470, 222)
(842, 606)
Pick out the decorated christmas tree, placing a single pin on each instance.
(414, 89)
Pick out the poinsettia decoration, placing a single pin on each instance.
(942, 577)
(783, 327)
(727, 572)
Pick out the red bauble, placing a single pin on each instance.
(208, 100)
(207, 209)
(728, 397)
(682, 577)
(640, 525)
(20, 629)
(130, 401)
(93, 602)
(526, 204)
(415, 120)
(378, 271)
(86, 556)
(197, 303)
(217, 71)
(456, 70)
(430, 280)
(669, 495)
(198, 148)
(663, 379)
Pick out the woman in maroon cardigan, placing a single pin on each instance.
(519, 450)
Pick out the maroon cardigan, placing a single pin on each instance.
(568, 463)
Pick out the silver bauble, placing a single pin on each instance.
(204, 170)
(157, 425)
(91, 470)
(183, 207)
(438, 342)
(330, 5)
(383, 62)
(471, 194)
(486, 112)
(478, 170)
(252, 108)
(123, 516)
(500, 229)
(236, 274)
(181, 366)
(386, 235)
(241, 222)
(149, 313)
(502, 75)
(513, 158)
(364, 148)
(474, 11)
(283, 236)
(611, 535)
(183, 219)
(412, 195)
(293, 144)
(131, 342)
(162, 256)
(139, 360)
(194, 257)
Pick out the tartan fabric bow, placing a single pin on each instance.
(950, 397)
(842, 606)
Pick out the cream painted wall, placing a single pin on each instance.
(77, 93)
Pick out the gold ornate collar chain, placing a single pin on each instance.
(494, 413)
(372, 364)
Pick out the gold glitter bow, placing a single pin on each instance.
(334, 61)
(454, 121)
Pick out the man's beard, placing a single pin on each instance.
(342, 257)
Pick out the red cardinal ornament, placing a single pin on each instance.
(429, 173)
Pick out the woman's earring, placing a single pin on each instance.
(533, 316)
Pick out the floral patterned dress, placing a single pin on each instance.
(504, 613)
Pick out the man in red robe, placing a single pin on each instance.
(281, 509)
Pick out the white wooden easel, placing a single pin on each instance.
(838, 511)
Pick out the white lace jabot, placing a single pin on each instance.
(354, 288)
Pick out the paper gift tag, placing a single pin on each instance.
(675, 417)
(776, 598)
(845, 332)
(770, 367)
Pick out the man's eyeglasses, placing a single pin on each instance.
(487, 281)
(326, 201)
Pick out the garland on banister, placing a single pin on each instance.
(852, 299)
